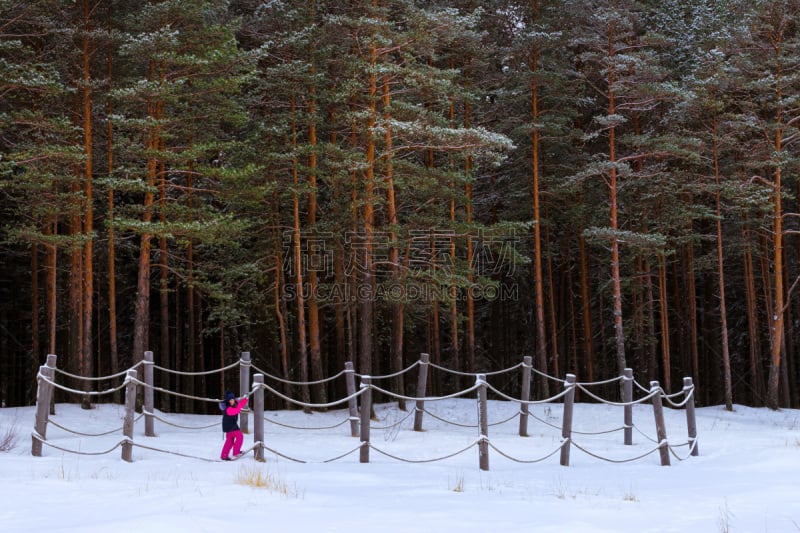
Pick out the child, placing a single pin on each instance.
(230, 425)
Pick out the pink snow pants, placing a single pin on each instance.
(233, 439)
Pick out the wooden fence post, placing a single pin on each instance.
(627, 399)
(149, 429)
(44, 394)
(527, 362)
(422, 387)
(258, 416)
(661, 428)
(244, 383)
(352, 403)
(130, 407)
(566, 423)
(366, 406)
(483, 423)
(691, 423)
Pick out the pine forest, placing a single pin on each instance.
(597, 184)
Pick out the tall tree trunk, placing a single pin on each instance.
(652, 356)
(453, 290)
(112, 274)
(397, 307)
(87, 355)
(586, 309)
(538, 281)
(74, 360)
(619, 334)
(35, 345)
(691, 312)
(141, 327)
(723, 313)
(664, 315)
(339, 279)
(164, 356)
(470, 299)
(766, 286)
(279, 303)
(315, 353)
(756, 374)
(556, 368)
(51, 296)
(298, 264)
(777, 325)
(365, 308)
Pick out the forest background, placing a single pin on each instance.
(598, 184)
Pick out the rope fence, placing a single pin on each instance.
(360, 409)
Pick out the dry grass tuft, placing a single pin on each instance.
(8, 439)
(256, 477)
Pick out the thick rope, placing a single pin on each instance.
(688, 397)
(620, 404)
(205, 373)
(641, 387)
(498, 423)
(115, 430)
(80, 392)
(299, 383)
(100, 378)
(167, 391)
(526, 402)
(551, 378)
(179, 454)
(604, 432)
(276, 452)
(332, 459)
(343, 422)
(396, 374)
(167, 422)
(501, 422)
(419, 461)
(77, 452)
(527, 461)
(617, 461)
(604, 382)
(643, 434)
(475, 374)
(390, 426)
(545, 422)
(447, 421)
(313, 405)
(692, 445)
(425, 399)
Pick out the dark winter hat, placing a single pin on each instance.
(229, 396)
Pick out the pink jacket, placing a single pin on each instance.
(233, 411)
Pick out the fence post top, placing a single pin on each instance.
(480, 379)
(570, 381)
(51, 360)
(258, 378)
(654, 385)
(527, 361)
(148, 358)
(245, 358)
(131, 374)
(424, 358)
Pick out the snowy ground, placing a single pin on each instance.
(745, 479)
